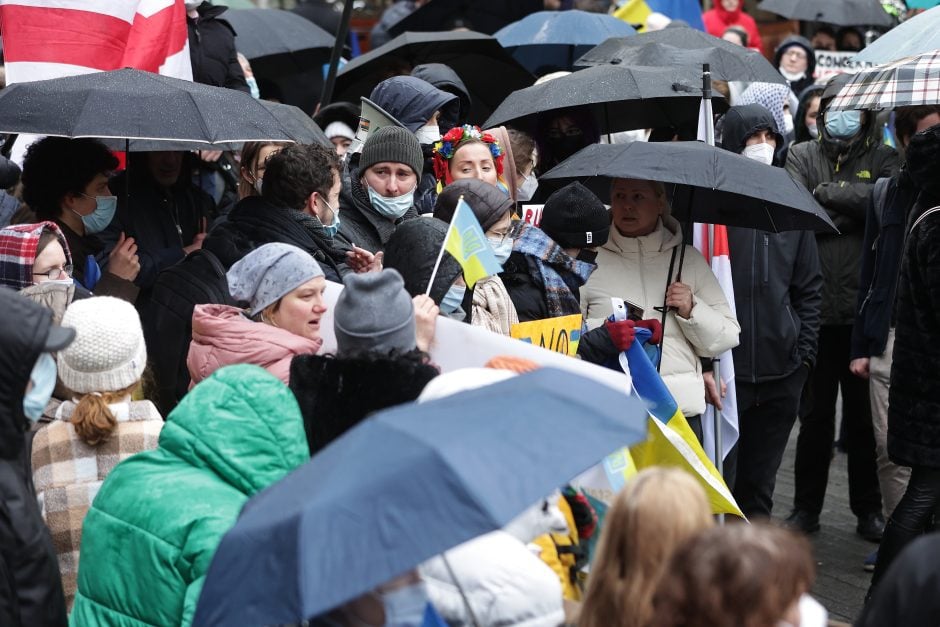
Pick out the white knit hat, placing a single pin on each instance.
(108, 353)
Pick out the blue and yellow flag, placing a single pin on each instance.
(469, 246)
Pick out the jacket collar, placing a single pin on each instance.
(665, 236)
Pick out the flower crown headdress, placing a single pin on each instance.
(444, 150)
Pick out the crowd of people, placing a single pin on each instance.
(163, 355)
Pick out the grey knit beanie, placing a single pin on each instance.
(395, 144)
(374, 313)
(268, 273)
(108, 353)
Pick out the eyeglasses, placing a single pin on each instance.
(497, 238)
(797, 53)
(54, 274)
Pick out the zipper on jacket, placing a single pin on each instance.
(765, 259)
(753, 307)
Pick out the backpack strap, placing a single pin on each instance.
(922, 216)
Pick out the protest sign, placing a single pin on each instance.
(560, 334)
(830, 62)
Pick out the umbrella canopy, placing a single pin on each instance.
(483, 16)
(621, 98)
(484, 66)
(405, 485)
(711, 185)
(133, 104)
(839, 12)
(548, 41)
(904, 83)
(686, 47)
(300, 126)
(915, 36)
(277, 43)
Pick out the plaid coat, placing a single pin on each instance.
(67, 474)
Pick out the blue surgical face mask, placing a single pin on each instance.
(453, 299)
(99, 219)
(394, 207)
(502, 248)
(405, 607)
(331, 229)
(843, 124)
(527, 190)
(253, 87)
(43, 378)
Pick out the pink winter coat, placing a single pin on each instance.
(223, 336)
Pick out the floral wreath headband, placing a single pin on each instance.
(444, 150)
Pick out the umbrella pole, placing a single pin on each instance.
(127, 173)
(327, 94)
(463, 595)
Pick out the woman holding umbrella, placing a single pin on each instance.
(639, 258)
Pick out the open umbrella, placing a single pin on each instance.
(839, 12)
(673, 47)
(482, 16)
(917, 35)
(277, 43)
(906, 82)
(133, 104)
(621, 98)
(405, 485)
(487, 70)
(548, 41)
(709, 184)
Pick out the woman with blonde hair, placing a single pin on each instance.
(100, 427)
(654, 514)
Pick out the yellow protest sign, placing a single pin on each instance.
(560, 335)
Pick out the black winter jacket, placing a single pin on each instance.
(777, 279)
(254, 222)
(212, 49)
(30, 586)
(885, 230)
(840, 175)
(914, 395)
(161, 221)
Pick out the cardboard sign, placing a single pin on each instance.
(829, 63)
(532, 214)
(559, 335)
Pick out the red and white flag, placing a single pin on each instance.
(54, 38)
(720, 261)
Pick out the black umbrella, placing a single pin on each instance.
(621, 98)
(708, 184)
(673, 47)
(301, 127)
(277, 43)
(132, 104)
(840, 12)
(485, 67)
(483, 16)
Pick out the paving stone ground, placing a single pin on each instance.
(841, 582)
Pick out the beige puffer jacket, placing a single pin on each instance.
(635, 269)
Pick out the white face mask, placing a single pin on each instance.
(787, 123)
(428, 134)
(527, 190)
(760, 152)
(813, 130)
(792, 76)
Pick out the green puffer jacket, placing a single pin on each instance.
(841, 176)
(152, 530)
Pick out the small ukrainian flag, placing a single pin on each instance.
(468, 244)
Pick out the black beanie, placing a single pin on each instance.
(395, 144)
(575, 218)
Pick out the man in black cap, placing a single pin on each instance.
(30, 585)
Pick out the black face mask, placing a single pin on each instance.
(587, 256)
(565, 146)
